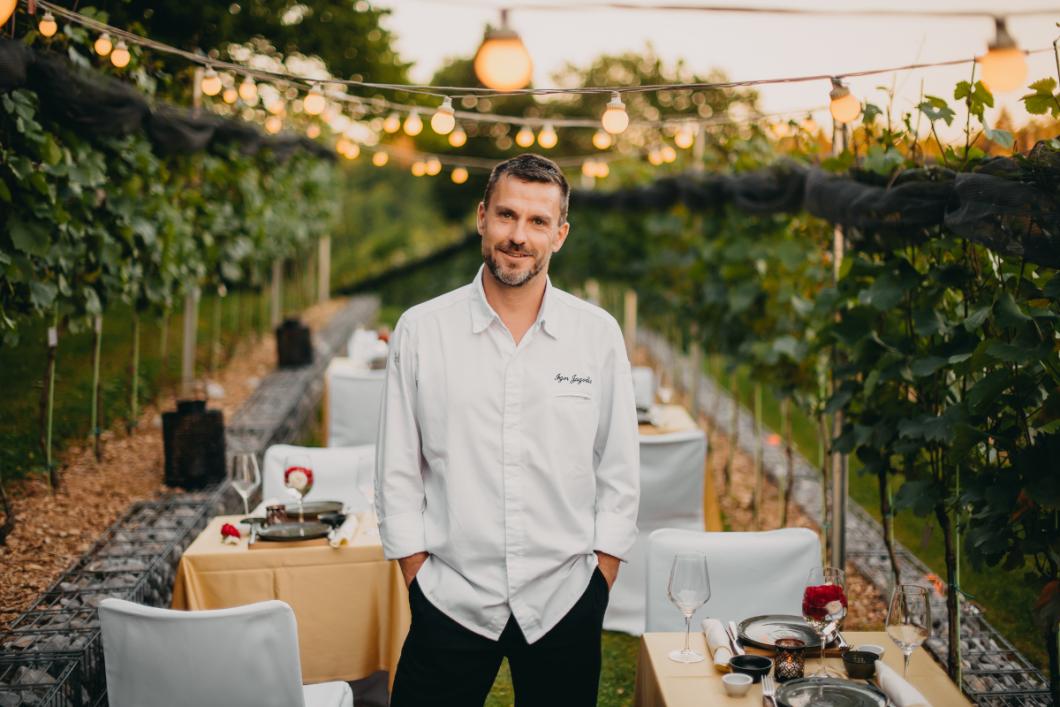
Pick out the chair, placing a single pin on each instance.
(671, 496)
(336, 471)
(751, 574)
(354, 400)
(643, 387)
(246, 656)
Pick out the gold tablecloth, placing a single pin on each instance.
(351, 604)
(664, 683)
(668, 418)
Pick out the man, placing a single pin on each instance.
(507, 470)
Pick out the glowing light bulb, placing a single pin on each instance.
(273, 124)
(589, 168)
(418, 169)
(248, 91)
(7, 8)
(103, 44)
(685, 137)
(230, 95)
(602, 170)
(315, 103)
(48, 26)
(602, 140)
(120, 56)
(392, 123)
(312, 132)
(211, 82)
(433, 166)
(547, 138)
(444, 119)
(845, 107)
(525, 137)
(380, 158)
(655, 157)
(276, 106)
(615, 119)
(668, 153)
(1005, 64)
(502, 61)
(458, 137)
(458, 175)
(413, 124)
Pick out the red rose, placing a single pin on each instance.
(816, 600)
(230, 531)
(299, 478)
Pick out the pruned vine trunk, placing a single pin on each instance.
(9, 513)
(47, 397)
(734, 433)
(789, 460)
(953, 637)
(887, 516)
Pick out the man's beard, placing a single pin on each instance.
(513, 278)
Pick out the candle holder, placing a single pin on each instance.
(790, 663)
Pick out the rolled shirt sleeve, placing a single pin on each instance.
(399, 494)
(617, 455)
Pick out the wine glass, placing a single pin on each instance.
(909, 619)
(298, 478)
(824, 604)
(689, 589)
(245, 477)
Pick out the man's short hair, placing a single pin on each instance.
(531, 168)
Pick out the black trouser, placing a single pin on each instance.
(443, 663)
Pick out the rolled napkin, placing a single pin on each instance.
(898, 689)
(343, 535)
(718, 643)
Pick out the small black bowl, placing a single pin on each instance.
(756, 666)
(860, 665)
(332, 519)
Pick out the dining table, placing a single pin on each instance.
(351, 604)
(662, 682)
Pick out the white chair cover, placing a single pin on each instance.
(671, 496)
(335, 472)
(361, 343)
(643, 387)
(355, 396)
(751, 574)
(246, 656)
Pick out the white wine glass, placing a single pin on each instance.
(824, 604)
(245, 477)
(689, 589)
(909, 619)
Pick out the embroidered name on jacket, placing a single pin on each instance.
(573, 379)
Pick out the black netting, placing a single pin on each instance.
(176, 130)
(14, 57)
(244, 134)
(768, 191)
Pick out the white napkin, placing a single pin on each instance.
(897, 689)
(345, 532)
(718, 643)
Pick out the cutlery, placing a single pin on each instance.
(769, 690)
(737, 649)
(842, 642)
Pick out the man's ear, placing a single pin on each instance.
(561, 236)
(480, 218)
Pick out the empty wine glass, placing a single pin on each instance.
(909, 619)
(689, 589)
(298, 478)
(245, 477)
(824, 604)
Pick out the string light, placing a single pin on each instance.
(7, 8)
(413, 124)
(211, 82)
(685, 137)
(547, 138)
(615, 119)
(444, 119)
(347, 148)
(589, 168)
(525, 137)
(668, 153)
(502, 61)
(655, 157)
(248, 91)
(380, 158)
(273, 124)
(230, 95)
(418, 169)
(1005, 64)
(602, 140)
(602, 170)
(312, 132)
(314, 102)
(120, 56)
(458, 175)
(48, 26)
(392, 123)
(433, 166)
(458, 137)
(845, 107)
(103, 45)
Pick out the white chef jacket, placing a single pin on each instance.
(510, 465)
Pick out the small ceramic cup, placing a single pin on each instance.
(872, 648)
(736, 684)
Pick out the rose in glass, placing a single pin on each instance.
(823, 602)
(299, 478)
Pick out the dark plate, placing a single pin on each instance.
(290, 532)
(312, 509)
(763, 631)
(831, 691)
